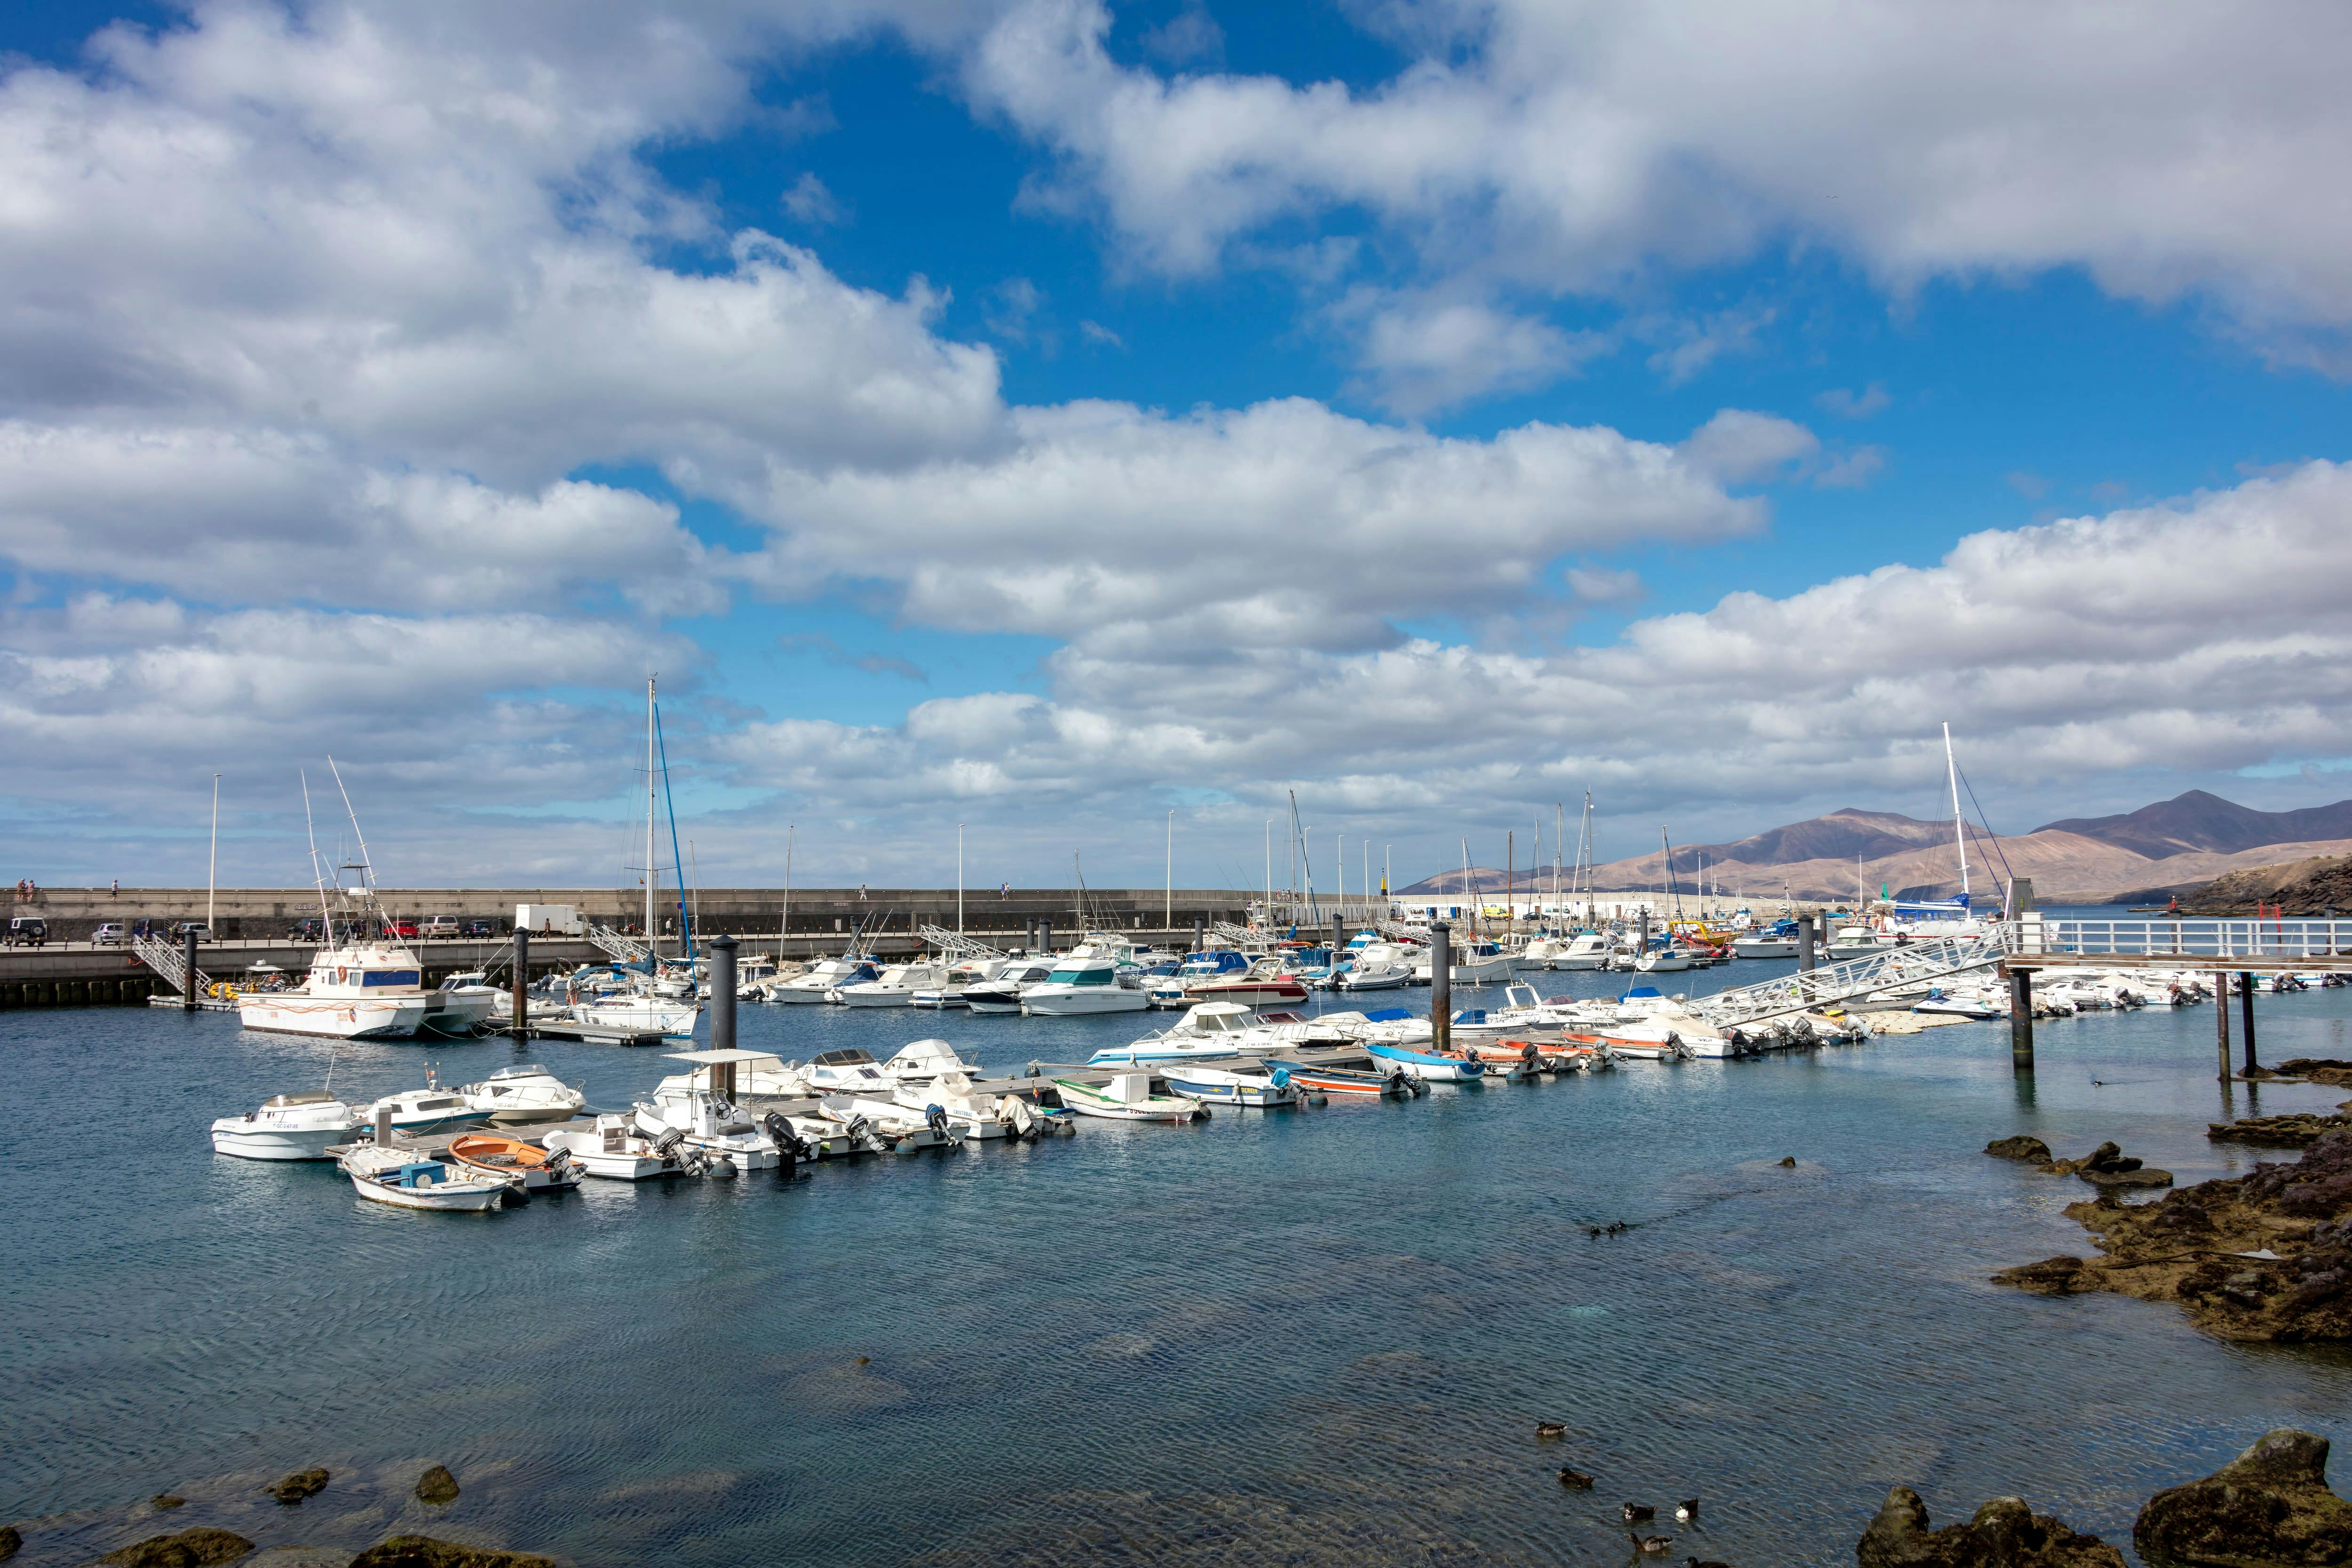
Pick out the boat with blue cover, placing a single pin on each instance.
(1262, 1087)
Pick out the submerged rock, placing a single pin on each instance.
(437, 1486)
(2271, 1505)
(2023, 1146)
(188, 1549)
(293, 1488)
(425, 1552)
(2263, 1256)
(2060, 1276)
(2004, 1533)
(10, 1542)
(163, 1501)
(2318, 1070)
(2299, 1131)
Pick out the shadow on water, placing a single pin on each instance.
(1321, 1337)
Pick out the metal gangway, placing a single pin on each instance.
(1239, 936)
(1901, 964)
(955, 944)
(1399, 931)
(170, 962)
(628, 950)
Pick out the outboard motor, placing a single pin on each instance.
(666, 1144)
(1529, 1055)
(938, 1117)
(787, 1142)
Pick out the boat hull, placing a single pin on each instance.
(450, 1197)
(1427, 1067)
(1079, 1001)
(230, 1136)
(337, 1018)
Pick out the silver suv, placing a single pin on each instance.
(111, 934)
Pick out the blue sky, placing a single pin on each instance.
(1043, 414)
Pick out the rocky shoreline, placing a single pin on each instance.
(2263, 1258)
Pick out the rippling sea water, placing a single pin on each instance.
(1315, 1337)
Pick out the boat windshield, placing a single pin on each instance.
(842, 1058)
(532, 1069)
(1080, 976)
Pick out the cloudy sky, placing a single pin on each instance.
(1048, 415)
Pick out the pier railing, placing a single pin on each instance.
(628, 950)
(170, 962)
(2182, 943)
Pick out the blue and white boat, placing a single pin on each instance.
(1261, 1087)
(1428, 1066)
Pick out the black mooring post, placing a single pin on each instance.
(1199, 928)
(2246, 1019)
(521, 1026)
(722, 996)
(1441, 983)
(1804, 944)
(188, 991)
(2021, 1020)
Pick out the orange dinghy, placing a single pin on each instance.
(534, 1167)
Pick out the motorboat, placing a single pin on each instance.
(712, 1125)
(402, 1177)
(1000, 993)
(1080, 986)
(894, 987)
(1960, 1003)
(1210, 1030)
(358, 991)
(1644, 1015)
(1377, 966)
(975, 1116)
(1476, 962)
(429, 1110)
(920, 1061)
(644, 1012)
(495, 1154)
(1264, 1087)
(1221, 975)
(1765, 944)
(461, 1007)
(1664, 961)
(1587, 950)
(880, 1125)
(827, 974)
(1128, 1098)
(298, 1126)
(1395, 1083)
(618, 1147)
(847, 1070)
(1429, 1066)
(1852, 943)
(524, 1095)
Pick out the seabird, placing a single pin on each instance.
(1687, 1510)
(1635, 1513)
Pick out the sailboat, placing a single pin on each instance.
(642, 1007)
(1928, 919)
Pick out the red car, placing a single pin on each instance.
(404, 927)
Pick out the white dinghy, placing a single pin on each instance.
(402, 1178)
(298, 1126)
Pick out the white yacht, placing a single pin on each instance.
(827, 974)
(920, 1061)
(894, 987)
(1082, 985)
(1377, 966)
(298, 1126)
(642, 1011)
(1477, 961)
(520, 1096)
(1207, 1032)
(1000, 993)
(849, 1071)
(429, 1110)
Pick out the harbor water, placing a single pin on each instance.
(1319, 1336)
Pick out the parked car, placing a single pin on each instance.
(28, 930)
(480, 929)
(312, 930)
(440, 926)
(111, 934)
(404, 927)
(180, 931)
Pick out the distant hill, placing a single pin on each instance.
(2318, 886)
(2200, 821)
(2173, 846)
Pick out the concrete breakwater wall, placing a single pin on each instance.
(73, 914)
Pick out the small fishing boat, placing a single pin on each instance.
(429, 1110)
(975, 1116)
(1430, 1066)
(397, 1176)
(524, 1095)
(1512, 1060)
(1263, 1087)
(1395, 1083)
(1128, 1098)
(494, 1154)
(617, 1149)
(298, 1126)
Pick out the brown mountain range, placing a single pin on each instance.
(2173, 846)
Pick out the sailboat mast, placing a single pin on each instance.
(651, 947)
(1959, 828)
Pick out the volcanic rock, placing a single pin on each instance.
(2060, 1276)
(10, 1541)
(2023, 1146)
(188, 1549)
(2299, 1131)
(163, 1501)
(425, 1552)
(2263, 1256)
(2005, 1533)
(2271, 1505)
(2318, 1070)
(293, 1488)
(437, 1486)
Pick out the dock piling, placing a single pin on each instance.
(722, 994)
(2246, 1017)
(188, 976)
(2222, 1018)
(2021, 1020)
(383, 1126)
(1200, 932)
(521, 1030)
(1441, 983)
